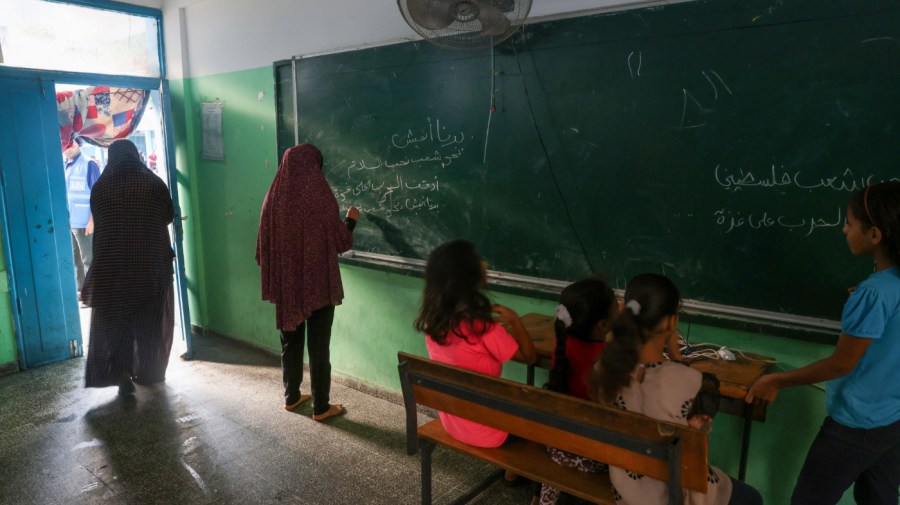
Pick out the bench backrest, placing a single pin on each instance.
(624, 439)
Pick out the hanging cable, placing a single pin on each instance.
(562, 198)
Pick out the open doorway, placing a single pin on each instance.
(39, 49)
(92, 117)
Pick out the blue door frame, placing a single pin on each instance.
(45, 311)
(20, 282)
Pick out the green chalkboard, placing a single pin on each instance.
(715, 141)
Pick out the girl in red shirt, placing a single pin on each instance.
(584, 316)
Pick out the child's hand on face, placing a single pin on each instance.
(505, 316)
(701, 422)
(673, 344)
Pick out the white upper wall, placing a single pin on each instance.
(207, 37)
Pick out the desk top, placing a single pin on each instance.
(735, 377)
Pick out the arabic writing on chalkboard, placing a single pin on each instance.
(408, 177)
(777, 178)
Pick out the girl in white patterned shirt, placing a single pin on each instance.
(634, 374)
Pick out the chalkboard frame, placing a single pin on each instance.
(693, 312)
(749, 319)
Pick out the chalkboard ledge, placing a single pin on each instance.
(818, 336)
(695, 312)
(521, 285)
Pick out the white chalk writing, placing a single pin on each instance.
(730, 220)
(443, 157)
(772, 177)
(694, 111)
(407, 177)
(436, 131)
(775, 181)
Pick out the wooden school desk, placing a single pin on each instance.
(735, 377)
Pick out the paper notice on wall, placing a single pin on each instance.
(213, 146)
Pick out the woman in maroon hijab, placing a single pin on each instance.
(300, 236)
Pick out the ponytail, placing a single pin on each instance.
(619, 357)
(582, 305)
(559, 374)
(649, 298)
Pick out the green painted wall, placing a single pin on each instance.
(8, 352)
(186, 165)
(223, 200)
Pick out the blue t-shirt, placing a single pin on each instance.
(869, 396)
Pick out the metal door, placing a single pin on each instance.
(36, 235)
(177, 224)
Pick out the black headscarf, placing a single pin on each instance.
(133, 255)
(123, 155)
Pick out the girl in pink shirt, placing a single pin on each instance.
(461, 329)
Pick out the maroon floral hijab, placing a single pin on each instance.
(300, 235)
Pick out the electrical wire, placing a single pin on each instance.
(487, 132)
(715, 351)
(562, 198)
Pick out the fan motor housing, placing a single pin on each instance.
(465, 11)
(464, 24)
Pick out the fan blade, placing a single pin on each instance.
(493, 22)
(430, 14)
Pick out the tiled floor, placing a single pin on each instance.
(215, 432)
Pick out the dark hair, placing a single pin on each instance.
(587, 302)
(453, 277)
(879, 205)
(657, 297)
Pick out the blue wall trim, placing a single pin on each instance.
(87, 79)
(109, 5)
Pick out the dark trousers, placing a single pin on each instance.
(744, 494)
(82, 246)
(841, 456)
(318, 327)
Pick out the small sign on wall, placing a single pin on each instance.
(213, 146)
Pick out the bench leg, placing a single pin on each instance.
(674, 462)
(425, 449)
(745, 440)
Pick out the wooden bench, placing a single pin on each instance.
(539, 418)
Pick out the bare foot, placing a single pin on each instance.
(334, 410)
(293, 406)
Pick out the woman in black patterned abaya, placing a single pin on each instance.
(129, 284)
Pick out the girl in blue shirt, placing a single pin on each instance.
(859, 442)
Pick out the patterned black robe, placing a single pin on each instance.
(129, 284)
